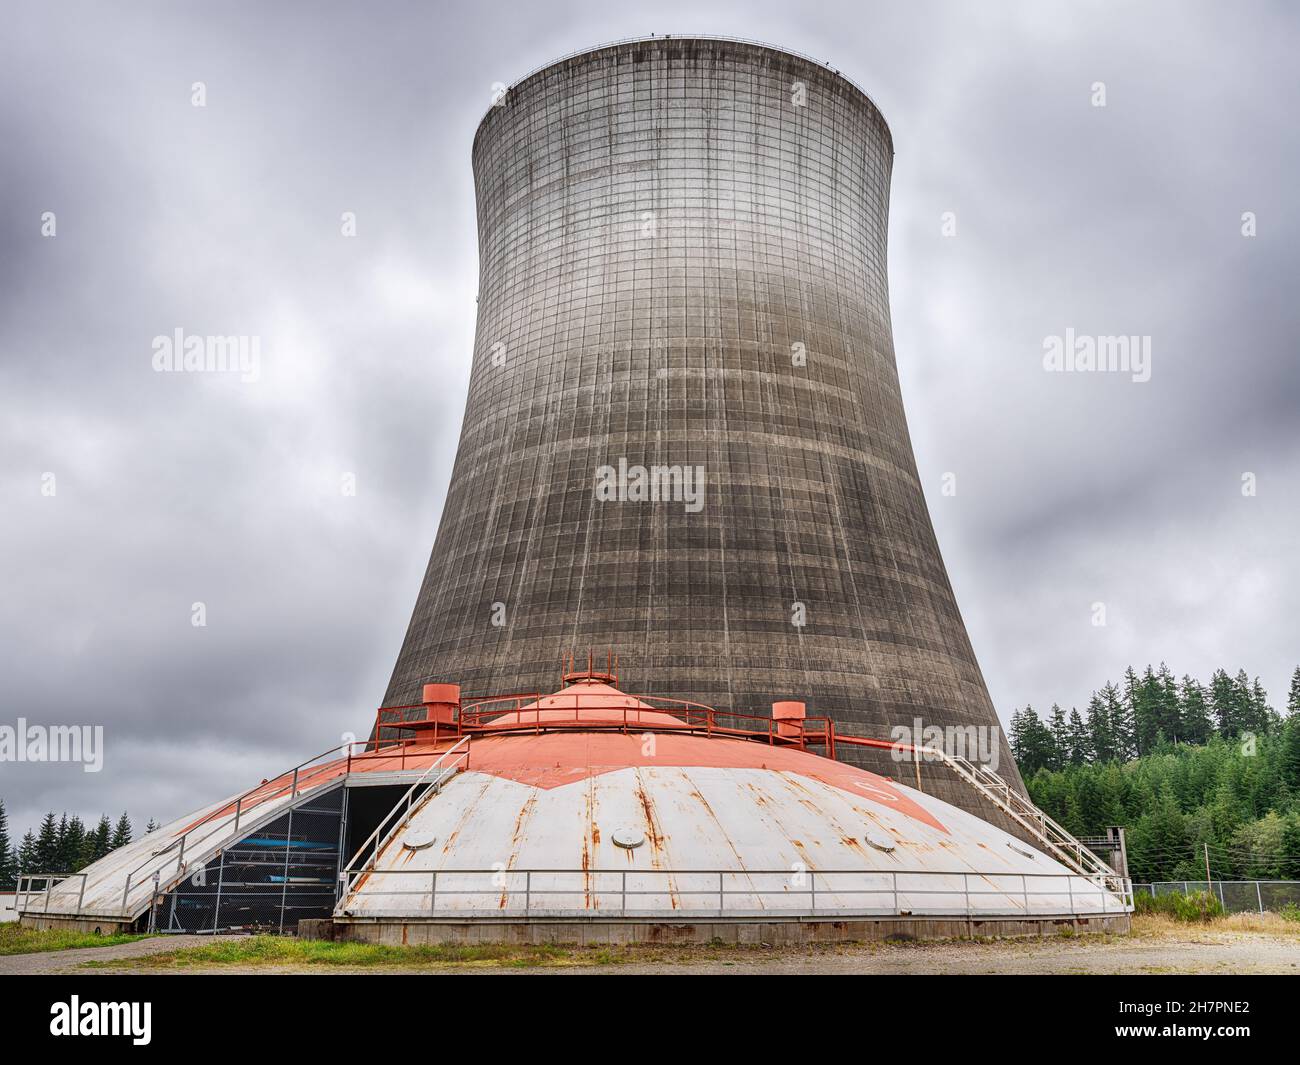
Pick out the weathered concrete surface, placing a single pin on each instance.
(776, 933)
(682, 254)
(100, 926)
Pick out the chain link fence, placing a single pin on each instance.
(1236, 896)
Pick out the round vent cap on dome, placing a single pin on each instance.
(417, 840)
(1020, 848)
(628, 838)
(880, 841)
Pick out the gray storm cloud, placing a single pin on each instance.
(172, 489)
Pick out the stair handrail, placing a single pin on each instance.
(461, 751)
(1056, 838)
(272, 785)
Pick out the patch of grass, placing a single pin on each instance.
(286, 952)
(289, 952)
(14, 939)
(1272, 923)
(1159, 924)
(1198, 907)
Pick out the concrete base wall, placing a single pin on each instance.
(754, 932)
(106, 926)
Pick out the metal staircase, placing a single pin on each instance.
(1042, 828)
(128, 881)
(448, 764)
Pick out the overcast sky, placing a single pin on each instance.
(171, 489)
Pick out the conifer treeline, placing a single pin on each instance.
(1191, 772)
(60, 845)
(1132, 720)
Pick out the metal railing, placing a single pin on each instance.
(825, 64)
(448, 764)
(1056, 839)
(22, 895)
(529, 713)
(1235, 896)
(307, 775)
(630, 713)
(710, 893)
(292, 781)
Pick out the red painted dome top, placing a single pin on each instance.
(590, 699)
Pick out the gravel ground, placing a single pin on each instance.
(1179, 951)
(61, 961)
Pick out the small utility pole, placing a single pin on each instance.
(1118, 849)
(1209, 884)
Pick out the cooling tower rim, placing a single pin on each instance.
(623, 42)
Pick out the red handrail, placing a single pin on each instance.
(477, 718)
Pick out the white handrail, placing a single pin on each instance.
(1033, 820)
(461, 750)
(272, 787)
(606, 892)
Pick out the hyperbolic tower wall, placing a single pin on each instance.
(682, 250)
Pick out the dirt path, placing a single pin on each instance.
(1181, 951)
(62, 961)
(1209, 953)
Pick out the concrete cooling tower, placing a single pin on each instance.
(684, 439)
(684, 446)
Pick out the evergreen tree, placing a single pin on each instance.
(1241, 801)
(1265, 717)
(1224, 704)
(1079, 749)
(1139, 727)
(122, 834)
(1101, 736)
(1060, 745)
(1160, 839)
(1289, 761)
(1169, 714)
(1142, 699)
(1113, 790)
(1249, 718)
(8, 857)
(60, 862)
(72, 843)
(47, 847)
(28, 855)
(152, 826)
(1290, 862)
(1031, 741)
(1121, 722)
(1293, 700)
(1194, 711)
(1016, 734)
(1258, 847)
(100, 841)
